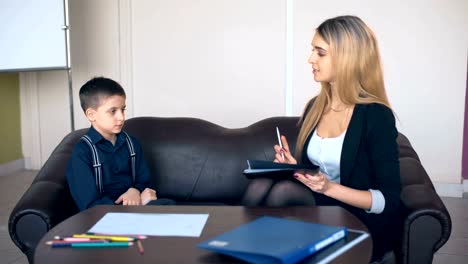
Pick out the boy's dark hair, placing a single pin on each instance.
(96, 89)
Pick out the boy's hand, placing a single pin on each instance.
(148, 195)
(130, 197)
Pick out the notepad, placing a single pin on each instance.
(262, 168)
(275, 240)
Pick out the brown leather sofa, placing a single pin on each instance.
(196, 162)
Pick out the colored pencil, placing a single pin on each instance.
(70, 242)
(140, 247)
(93, 245)
(73, 239)
(124, 235)
(112, 238)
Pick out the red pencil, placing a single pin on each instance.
(140, 247)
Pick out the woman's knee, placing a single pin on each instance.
(256, 191)
(288, 188)
(286, 193)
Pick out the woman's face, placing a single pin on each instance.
(321, 60)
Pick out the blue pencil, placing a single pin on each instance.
(92, 245)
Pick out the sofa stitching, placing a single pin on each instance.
(189, 196)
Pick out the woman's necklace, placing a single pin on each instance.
(346, 114)
(338, 110)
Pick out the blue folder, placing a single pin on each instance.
(275, 240)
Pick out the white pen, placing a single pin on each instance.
(279, 141)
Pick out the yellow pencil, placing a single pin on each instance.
(112, 238)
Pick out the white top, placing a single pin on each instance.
(326, 153)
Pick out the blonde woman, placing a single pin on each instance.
(348, 130)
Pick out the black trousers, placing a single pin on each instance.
(162, 201)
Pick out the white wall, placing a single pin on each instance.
(218, 60)
(95, 51)
(224, 61)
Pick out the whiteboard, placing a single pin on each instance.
(32, 35)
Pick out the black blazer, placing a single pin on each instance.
(370, 160)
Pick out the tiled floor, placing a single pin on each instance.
(456, 248)
(13, 186)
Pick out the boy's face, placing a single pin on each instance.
(109, 117)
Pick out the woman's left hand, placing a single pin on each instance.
(317, 182)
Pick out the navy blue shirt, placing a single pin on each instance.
(116, 170)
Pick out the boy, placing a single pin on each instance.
(123, 176)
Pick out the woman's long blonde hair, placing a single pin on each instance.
(356, 62)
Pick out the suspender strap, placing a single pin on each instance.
(96, 162)
(131, 149)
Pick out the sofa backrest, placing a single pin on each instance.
(411, 170)
(193, 160)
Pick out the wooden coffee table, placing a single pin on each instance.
(183, 249)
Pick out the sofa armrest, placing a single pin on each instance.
(427, 225)
(43, 205)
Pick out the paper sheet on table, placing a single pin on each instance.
(187, 225)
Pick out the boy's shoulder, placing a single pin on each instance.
(131, 136)
(81, 145)
(92, 137)
(133, 140)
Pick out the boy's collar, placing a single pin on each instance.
(95, 136)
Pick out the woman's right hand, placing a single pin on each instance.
(288, 157)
